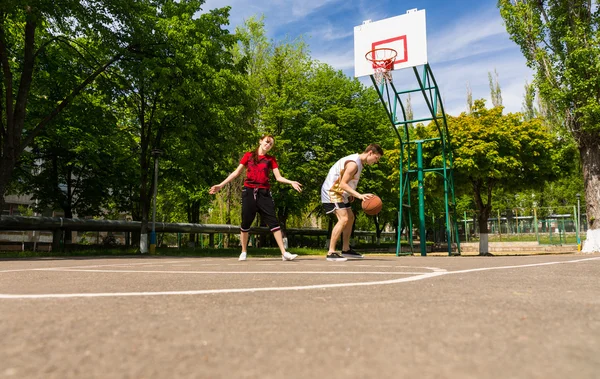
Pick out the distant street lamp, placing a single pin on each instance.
(156, 153)
(578, 221)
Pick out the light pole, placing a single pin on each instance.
(155, 153)
(578, 221)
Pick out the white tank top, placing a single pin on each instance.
(331, 191)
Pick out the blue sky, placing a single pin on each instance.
(466, 40)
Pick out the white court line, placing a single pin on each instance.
(232, 290)
(294, 288)
(87, 266)
(250, 272)
(523, 266)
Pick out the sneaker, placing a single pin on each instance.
(335, 257)
(288, 256)
(351, 254)
(243, 256)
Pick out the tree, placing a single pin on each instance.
(184, 94)
(492, 150)
(529, 110)
(495, 91)
(26, 30)
(79, 162)
(561, 43)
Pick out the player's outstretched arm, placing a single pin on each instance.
(217, 187)
(296, 185)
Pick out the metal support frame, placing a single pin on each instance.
(389, 96)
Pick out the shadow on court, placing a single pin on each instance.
(381, 317)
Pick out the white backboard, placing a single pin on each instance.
(405, 33)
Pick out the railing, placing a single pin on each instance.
(59, 224)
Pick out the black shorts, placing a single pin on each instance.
(258, 200)
(331, 207)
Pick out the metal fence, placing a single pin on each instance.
(551, 228)
(29, 231)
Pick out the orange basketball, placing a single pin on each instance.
(372, 206)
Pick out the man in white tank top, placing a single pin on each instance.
(339, 190)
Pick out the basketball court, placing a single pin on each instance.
(383, 316)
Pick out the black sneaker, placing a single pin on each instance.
(351, 254)
(335, 257)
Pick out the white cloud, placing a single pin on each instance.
(329, 32)
(453, 78)
(277, 12)
(471, 35)
(343, 60)
(302, 8)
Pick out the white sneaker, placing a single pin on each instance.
(288, 256)
(243, 256)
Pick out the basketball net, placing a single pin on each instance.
(383, 64)
(384, 71)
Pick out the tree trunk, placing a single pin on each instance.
(7, 164)
(590, 158)
(482, 218)
(144, 203)
(193, 212)
(68, 233)
(378, 229)
(483, 212)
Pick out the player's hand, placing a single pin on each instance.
(214, 189)
(366, 196)
(297, 186)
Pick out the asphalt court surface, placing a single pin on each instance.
(383, 316)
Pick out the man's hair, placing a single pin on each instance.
(375, 148)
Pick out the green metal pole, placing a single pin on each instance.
(410, 221)
(420, 179)
(401, 193)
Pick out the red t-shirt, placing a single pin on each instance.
(257, 174)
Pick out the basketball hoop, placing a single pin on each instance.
(383, 63)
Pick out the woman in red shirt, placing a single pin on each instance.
(256, 194)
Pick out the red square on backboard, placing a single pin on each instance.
(402, 55)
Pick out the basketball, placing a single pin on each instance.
(372, 206)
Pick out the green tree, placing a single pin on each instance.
(560, 40)
(26, 30)
(77, 163)
(184, 95)
(316, 114)
(80, 162)
(492, 150)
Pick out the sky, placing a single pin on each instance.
(466, 40)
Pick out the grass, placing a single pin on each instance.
(265, 252)
(568, 239)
